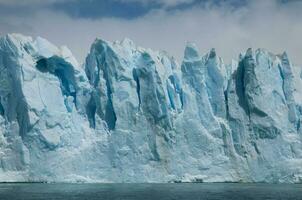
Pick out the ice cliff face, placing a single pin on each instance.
(134, 115)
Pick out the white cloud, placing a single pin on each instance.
(261, 24)
(174, 2)
(165, 3)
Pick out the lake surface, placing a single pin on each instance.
(183, 191)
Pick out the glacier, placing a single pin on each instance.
(130, 114)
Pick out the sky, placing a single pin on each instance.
(230, 26)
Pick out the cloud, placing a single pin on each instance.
(269, 24)
(95, 9)
(165, 3)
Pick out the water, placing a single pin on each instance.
(200, 191)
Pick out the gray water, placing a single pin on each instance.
(184, 191)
